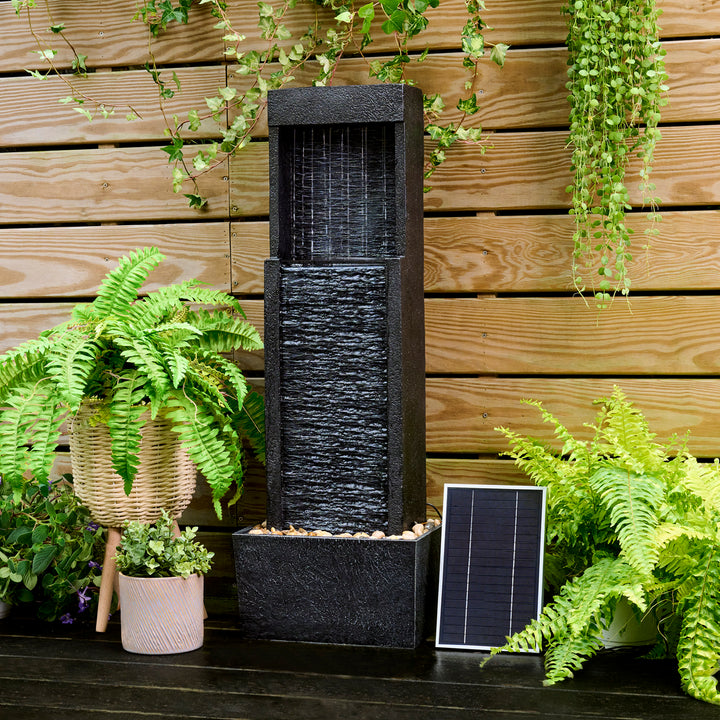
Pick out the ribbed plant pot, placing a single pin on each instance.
(339, 590)
(4, 609)
(161, 616)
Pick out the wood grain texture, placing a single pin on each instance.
(45, 121)
(110, 39)
(521, 171)
(462, 413)
(659, 335)
(517, 22)
(527, 253)
(109, 184)
(107, 35)
(533, 253)
(72, 261)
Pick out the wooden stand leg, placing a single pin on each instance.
(108, 580)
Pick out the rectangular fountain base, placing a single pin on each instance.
(340, 590)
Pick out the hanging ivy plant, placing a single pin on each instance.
(616, 86)
(253, 72)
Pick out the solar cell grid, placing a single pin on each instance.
(491, 563)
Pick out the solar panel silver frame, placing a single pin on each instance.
(443, 549)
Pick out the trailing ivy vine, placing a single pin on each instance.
(238, 107)
(616, 84)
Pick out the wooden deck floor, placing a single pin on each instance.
(63, 672)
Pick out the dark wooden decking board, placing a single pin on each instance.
(66, 672)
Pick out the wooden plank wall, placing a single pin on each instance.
(502, 321)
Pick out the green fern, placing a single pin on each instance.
(121, 286)
(698, 649)
(633, 502)
(125, 421)
(628, 517)
(128, 353)
(71, 361)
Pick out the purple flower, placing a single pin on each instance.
(92, 527)
(93, 564)
(67, 619)
(83, 599)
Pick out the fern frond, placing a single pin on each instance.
(224, 333)
(124, 423)
(203, 441)
(698, 648)
(625, 432)
(141, 353)
(252, 423)
(71, 361)
(120, 287)
(23, 365)
(703, 479)
(15, 423)
(227, 375)
(169, 303)
(48, 419)
(571, 624)
(568, 654)
(633, 502)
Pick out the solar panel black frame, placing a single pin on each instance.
(484, 593)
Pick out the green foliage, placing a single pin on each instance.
(627, 517)
(155, 551)
(350, 28)
(49, 550)
(163, 350)
(616, 85)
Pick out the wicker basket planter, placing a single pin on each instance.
(165, 479)
(162, 615)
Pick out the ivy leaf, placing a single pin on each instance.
(497, 54)
(196, 201)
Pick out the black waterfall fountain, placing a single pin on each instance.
(345, 375)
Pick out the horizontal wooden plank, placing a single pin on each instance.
(462, 413)
(108, 36)
(532, 170)
(527, 253)
(659, 335)
(26, 320)
(529, 91)
(485, 471)
(517, 22)
(106, 184)
(521, 170)
(110, 39)
(45, 121)
(531, 253)
(72, 261)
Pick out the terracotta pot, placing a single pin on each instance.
(160, 616)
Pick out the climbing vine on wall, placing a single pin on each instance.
(348, 29)
(616, 85)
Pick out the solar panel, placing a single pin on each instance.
(491, 563)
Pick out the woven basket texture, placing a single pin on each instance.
(165, 479)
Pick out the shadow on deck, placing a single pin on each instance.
(62, 672)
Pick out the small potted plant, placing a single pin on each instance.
(145, 383)
(630, 522)
(161, 587)
(50, 551)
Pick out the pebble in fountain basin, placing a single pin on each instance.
(418, 530)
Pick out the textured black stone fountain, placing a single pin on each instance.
(345, 373)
